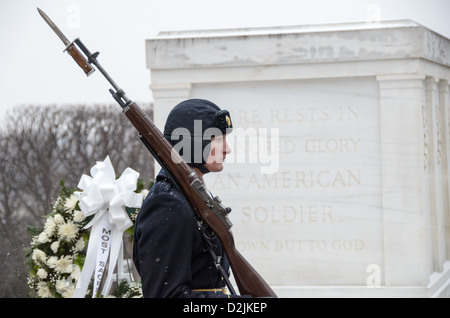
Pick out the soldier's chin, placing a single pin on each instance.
(214, 167)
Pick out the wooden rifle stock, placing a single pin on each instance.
(247, 278)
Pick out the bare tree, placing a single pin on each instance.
(39, 147)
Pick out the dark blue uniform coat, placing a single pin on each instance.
(169, 252)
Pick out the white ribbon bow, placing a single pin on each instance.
(107, 198)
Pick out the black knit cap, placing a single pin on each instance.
(193, 123)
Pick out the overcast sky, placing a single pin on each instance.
(35, 71)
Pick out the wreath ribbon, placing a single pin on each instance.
(106, 198)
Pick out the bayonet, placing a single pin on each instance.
(85, 62)
(70, 47)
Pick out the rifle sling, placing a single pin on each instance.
(217, 259)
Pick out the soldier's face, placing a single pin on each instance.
(218, 153)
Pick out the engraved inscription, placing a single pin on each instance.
(290, 179)
(288, 214)
(320, 207)
(303, 245)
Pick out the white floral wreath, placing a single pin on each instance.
(58, 250)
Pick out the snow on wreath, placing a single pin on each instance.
(61, 254)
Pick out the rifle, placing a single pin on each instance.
(209, 209)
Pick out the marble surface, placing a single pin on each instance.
(310, 205)
(338, 179)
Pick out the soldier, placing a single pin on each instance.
(173, 250)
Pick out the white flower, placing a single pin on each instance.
(67, 231)
(38, 255)
(61, 284)
(43, 290)
(49, 226)
(58, 218)
(70, 203)
(42, 273)
(52, 261)
(68, 292)
(78, 216)
(76, 272)
(79, 245)
(64, 264)
(54, 246)
(43, 237)
(57, 203)
(34, 240)
(135, 287)
(65, 288)
(144, 193)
